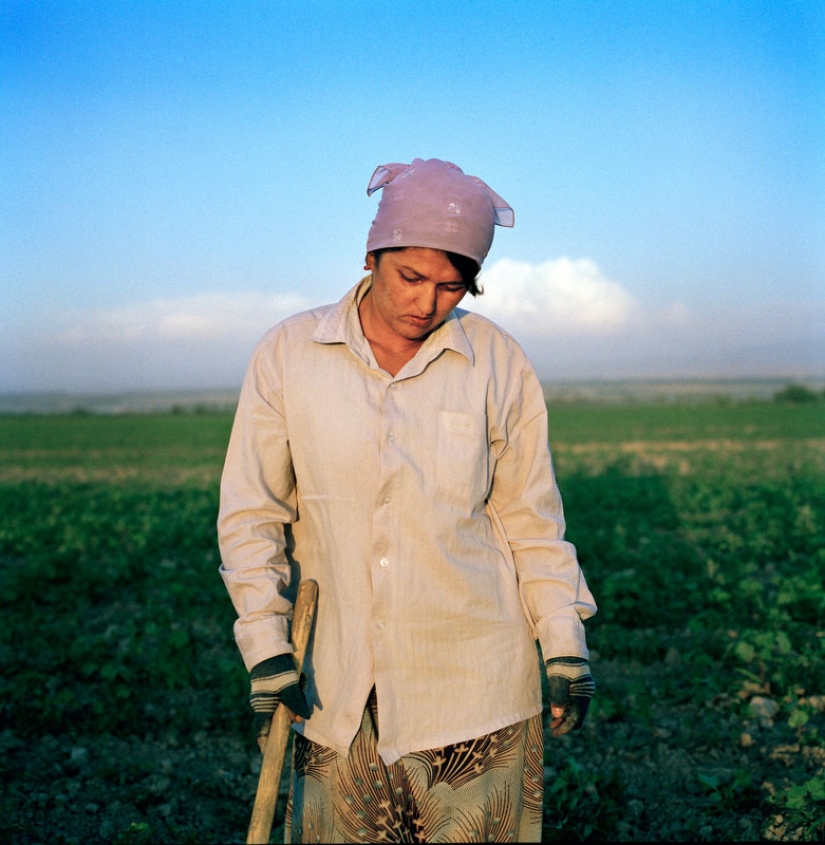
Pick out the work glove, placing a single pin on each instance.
(571, 688)
(273, 681)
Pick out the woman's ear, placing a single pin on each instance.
(370, 262)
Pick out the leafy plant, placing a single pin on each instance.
(581, 807)
(729, 791)
(803, 808)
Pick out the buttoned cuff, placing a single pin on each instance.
(261, 639)
(562, 636)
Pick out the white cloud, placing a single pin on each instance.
(576, 323)
(564, 296)
(572, 320)
(213, 316)
(202, 341)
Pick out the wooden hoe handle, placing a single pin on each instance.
(269, 782)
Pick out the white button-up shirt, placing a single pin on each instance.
(425, 506)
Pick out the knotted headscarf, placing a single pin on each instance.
(435, 204)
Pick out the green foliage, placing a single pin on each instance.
(138, 833)
(729, 792)
(124, 566)
(620, 425)
(701, 532)
(579, 807)
(99, 575)
(707, 549)
(803, 808)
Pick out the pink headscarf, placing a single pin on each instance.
(435, 204)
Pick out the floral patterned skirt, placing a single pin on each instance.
(488, 789)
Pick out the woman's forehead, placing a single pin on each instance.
(424, 260)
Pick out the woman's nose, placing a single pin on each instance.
(426, 301)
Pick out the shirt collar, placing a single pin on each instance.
(342, 325)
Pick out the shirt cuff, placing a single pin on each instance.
(562, 636)
(261, 639)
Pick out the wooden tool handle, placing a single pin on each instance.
(269, 782)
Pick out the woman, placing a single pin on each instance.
(393, 447)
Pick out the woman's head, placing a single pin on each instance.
(435, 204)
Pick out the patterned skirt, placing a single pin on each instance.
(488, 789)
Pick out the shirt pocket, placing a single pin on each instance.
(462, 457)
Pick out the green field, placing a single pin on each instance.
(701, 530)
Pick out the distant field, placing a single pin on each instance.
(118, 403)
(701, 530)
(166, 449)
(750, 422)
(634, 391)
(681, 391)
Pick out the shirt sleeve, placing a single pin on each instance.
(257, 501)
(526, 500)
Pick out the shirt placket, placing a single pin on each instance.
(384, 563)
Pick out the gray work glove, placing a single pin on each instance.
(273, 681)
(571, 688)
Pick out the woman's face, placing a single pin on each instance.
(413, 291)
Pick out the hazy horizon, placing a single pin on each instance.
(635, 391)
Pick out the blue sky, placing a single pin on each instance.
(175, 177)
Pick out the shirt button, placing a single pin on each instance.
(387, 500)
(382, 625)
(384, 562)
(391, 438)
